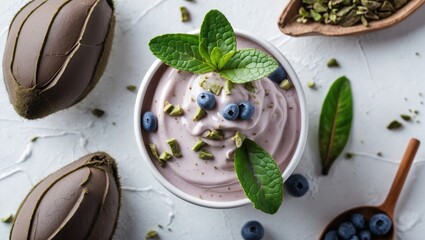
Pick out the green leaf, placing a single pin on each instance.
(259, 176)
(248, 65)
(216, 56)
(180, 51)
(225, 59)
(216, 32)
(335, 122)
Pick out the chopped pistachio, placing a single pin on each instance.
(311, 84)
(364, 21)
(152, 234)
(168, 107)
(215, 134)
(286, 84)
(131, 88)
(332, 63)
(228, 87)
(165, 156)
(205, 155)
(7, 219)
(238, 138)
(249, 86)
(405, 117)
(154, 150)
(177, 111)
(98, 112)
(394, 125)
(204, 84)
(174, 146)
(200, 113)
(185, 15)
(216, 88)
(34, 139)
(198, 145)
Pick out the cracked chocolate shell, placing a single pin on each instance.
(56, 51)
(79, 201)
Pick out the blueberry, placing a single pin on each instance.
(206, 100)
(380, 224)
(149, 121)
(252, 230)
(365, 235)
(331, 235)
(278, 75)
(346, 230)
(297, 185)
(230, 112)
(355, 237)
(246, 110)
(358, 220)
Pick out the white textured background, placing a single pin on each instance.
(387, 78)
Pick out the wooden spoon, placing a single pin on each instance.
(389, 204)
(288, 22)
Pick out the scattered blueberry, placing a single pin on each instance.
(206, 100)
(252, 230)
(365, 235)
(297, 185)
(149, 121)
(358, 220)
(331, 235)
(230, 112)
(246, 110)
(355, 237)
(278, 75)
(346, 230)
(380, 224)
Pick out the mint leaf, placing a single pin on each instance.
(225, 59)
(216, 32)
(248, 65)
(259, 176)
(216, 56)
(180, 51)
(335, 122)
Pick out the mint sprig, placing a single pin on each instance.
(259, 176)
(214, 50)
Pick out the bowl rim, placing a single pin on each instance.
(221, 204)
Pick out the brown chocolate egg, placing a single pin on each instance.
(56, 51)
(79, 201)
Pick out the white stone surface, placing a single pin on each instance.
(386, 76)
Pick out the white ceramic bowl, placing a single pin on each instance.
(220, 204)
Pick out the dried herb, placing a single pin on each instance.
(131, 88)
(34, 139)
(152, 234)
(347, 13)
(406, 117)
(98, 112)
(286, 84)
(335, 122)
(394, 125)
(7, 219)
(332, 63)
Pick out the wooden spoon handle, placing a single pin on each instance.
(389, 204)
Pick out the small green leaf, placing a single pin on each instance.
(335, 122)
(216, 31)
(248, 65)
(180, 51)
(225, 59)
(216, 56)
(259, 176)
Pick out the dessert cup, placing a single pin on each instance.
(142, 100)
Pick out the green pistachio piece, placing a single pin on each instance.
(303, 13)
(238, 138)
(362, 10)
(203, 83)
(205, 155)
(216, 89)
(7, 219)
(165, 156)
(200, 113)
(344, 11)
(286, 84)
(154, 150)
(386, 7)
(250, 87)
(371, 16)
(185, 16)
(152, 234)
(364, 21)
(198, 145)
(311, 84)
(168, 107)
(384, 14)
(228, 87)
(177, 111)
(394, 125)
(332, 63)
(319, 7)
(350, 19)
(371, 5)
(131, 88)
(399, 3)
(174, 146)
(406, 117)
(215, 134)
(315, 15)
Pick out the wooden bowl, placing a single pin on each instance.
(288, 22)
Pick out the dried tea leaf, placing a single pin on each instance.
(185, 15)
(394, 125)
(319, 7)
(350, 19)
(386, 7)
(98, 112)
(316, 16)
(364, 21)
(371, 5)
